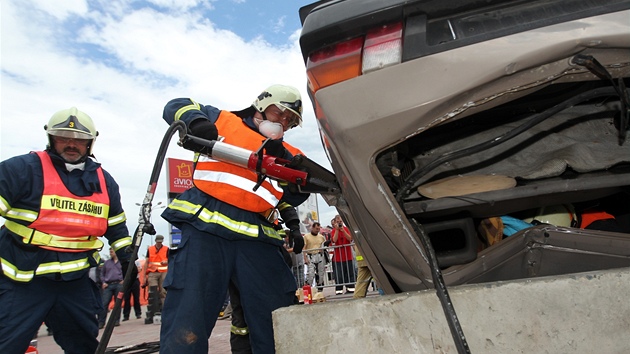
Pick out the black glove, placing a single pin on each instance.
(275, 148)
(298, 241)
(204, 129)
(291, 220)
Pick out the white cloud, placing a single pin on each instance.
(61, 9)
(181, 5)
(121, 65)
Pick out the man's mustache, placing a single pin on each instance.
(71, 149)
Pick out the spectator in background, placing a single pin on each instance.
(112, 278)
(343, 265)
(315, 261)
(156, 266)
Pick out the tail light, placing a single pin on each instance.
(379, 48)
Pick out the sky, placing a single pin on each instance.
(122, 61)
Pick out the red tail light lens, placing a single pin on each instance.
(380, 48)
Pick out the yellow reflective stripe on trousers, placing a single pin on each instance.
(271, 232)
(15, 274)
(62, 267)
(241, 331)
(115, 220)
(22, 214)
(241, 227)
(11, 272)
(120, 243)
(38, 238)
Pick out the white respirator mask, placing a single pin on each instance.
(270, 129)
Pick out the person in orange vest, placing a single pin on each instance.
(56, 204)
(227, 224)
(156, 266)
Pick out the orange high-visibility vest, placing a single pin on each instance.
(234, 184)
(73, 223)
(155, 260)
(590, 216)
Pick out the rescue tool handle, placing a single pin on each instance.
(271, 166)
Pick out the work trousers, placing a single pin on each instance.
(157, 279)
(134, 290)
(316, 267)
(109, 293)
(344, 274)
(199, 273)
(363, 281)
(68, 307)
(239, 332)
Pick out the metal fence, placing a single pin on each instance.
(320, 269)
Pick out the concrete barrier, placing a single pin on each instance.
(579, 313)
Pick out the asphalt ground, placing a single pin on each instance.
(134, 332)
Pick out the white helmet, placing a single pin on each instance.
(284, 97)
(557, 215)
(72, 123)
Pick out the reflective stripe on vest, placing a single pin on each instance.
(155, 260)
(69, 244)
(12, 272)
(156, 267)
(65, 214)
(233, 184)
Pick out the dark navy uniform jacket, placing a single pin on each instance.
(21, 187)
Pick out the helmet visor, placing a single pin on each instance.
(72, 134)
(289, 112)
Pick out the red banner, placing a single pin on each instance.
(179, 175)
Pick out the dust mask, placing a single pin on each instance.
(271, 130)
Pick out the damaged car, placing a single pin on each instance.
(495, 130)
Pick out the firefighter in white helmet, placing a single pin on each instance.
(56, 203)
(229, 236)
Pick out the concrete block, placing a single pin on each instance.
(579, 313)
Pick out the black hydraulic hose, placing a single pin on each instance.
(534, 120)
(440, 288)
(595, 67)
(144, 226)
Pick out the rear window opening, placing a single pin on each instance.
(571, 158)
